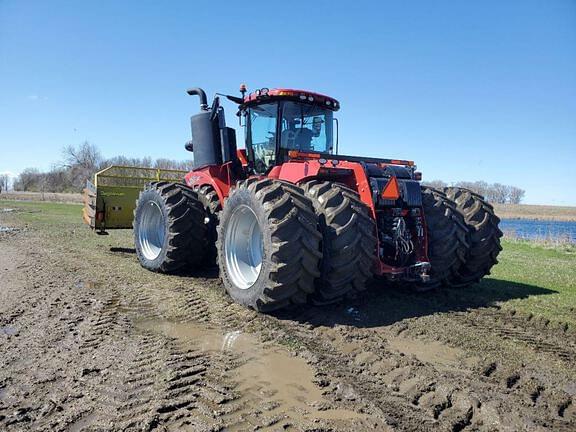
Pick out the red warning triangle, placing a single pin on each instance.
(391, 190)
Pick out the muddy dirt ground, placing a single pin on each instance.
(90, 341)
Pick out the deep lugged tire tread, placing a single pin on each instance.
(212, 207)
(295, 252)
(485, 235)
(349, 240)
(448, 238)
(186, 228)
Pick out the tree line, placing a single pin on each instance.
(493, 192)
(80, 163)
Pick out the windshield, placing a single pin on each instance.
(306, 128)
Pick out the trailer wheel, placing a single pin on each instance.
(348, 240)
(169, 229)
(268, 244)
(209, 199)
(484, 235)
(448, 238)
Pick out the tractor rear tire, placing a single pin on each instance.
(169, 228)
(268, 244)
(348, 241)
(209, 199)
(484, 235)
(448, 238)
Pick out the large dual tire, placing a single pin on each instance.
(485, 235)
(348, 241)
(169, 227)
(212, 208)
(448, 239)
(268, 244)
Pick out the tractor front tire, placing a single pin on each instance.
(268, 244)
(169, 228)
(348, 241)
(448, 238)
(484, 235)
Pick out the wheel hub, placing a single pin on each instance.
(244, 247)
(151, 231)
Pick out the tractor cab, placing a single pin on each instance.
(280, 120)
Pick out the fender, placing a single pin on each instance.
(219, 177)
(352, 174)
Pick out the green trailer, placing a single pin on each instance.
(109, 202)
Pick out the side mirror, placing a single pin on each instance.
(189, 146)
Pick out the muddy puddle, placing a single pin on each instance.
(4, 229)
(280, 379)
(432, 352)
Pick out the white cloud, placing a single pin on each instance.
(35, 97)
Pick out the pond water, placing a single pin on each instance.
(539, 229)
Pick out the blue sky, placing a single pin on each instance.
(480, 90)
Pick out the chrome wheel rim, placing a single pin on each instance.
(151, 231)
(244, 247)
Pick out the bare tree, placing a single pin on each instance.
(436, 184)
(172, 164)
(81, 162)
(496, 192)
(499, 193)
(4, 179)
(27, 180)
(516, 195)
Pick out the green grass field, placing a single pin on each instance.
(549, 274)
(540, 212)
(530, 278)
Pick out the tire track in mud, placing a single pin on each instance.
(509, 325)
(42, 390)
(156, 382)
(123, 376)
(393, 395)
(340, 378)
(192, 307)
(163, 382)
(413, 391)
(102, 325)
(222, 395)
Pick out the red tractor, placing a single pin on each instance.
(289, 220)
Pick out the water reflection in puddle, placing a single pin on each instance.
(4, 229)
(9, 331)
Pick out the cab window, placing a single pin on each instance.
(306, 128)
